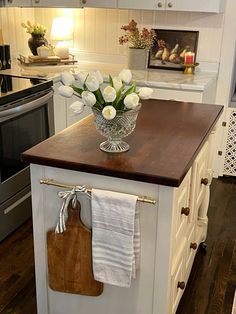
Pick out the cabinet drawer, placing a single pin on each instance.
(179, 95)
(200, 177)
(182, 213)
(191, 249)
(177, 280)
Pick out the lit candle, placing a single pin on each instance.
(189, 57)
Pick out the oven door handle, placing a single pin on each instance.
(36, 103)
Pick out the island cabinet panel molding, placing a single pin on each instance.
(176, 172)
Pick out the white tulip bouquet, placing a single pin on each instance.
(120, 95)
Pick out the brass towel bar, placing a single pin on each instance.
(143, 199)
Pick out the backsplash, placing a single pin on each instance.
(96, 31)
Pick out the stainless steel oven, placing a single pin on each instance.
(26, 119)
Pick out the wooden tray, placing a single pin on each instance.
(53, 60)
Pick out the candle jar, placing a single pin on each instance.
(189, 57)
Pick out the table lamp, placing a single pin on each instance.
(62, 30)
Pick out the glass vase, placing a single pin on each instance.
(116, 129)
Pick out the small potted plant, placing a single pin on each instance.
(140, 42)
(37, 38)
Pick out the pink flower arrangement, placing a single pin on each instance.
(143, 39)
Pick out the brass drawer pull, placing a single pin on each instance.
(193, 245)
(181, 285)
(185, 211)
(204, 181)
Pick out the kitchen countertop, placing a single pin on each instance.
(163, 145)
(151, 77)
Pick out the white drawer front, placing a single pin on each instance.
(182, 213)
(179, 95)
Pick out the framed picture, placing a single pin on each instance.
(170, 47)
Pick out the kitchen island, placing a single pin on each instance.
(169, 161)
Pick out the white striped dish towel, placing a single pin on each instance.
(115, 237)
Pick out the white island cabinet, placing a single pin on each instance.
(167, 162)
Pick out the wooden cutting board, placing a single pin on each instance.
(70, 258)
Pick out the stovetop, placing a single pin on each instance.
(17, 87)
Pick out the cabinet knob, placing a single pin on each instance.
(185, 211)
(181, 285)
(83, 1)
(10, 1)
(170, 4)
(193, 245)
(204, 181)
(159, 5)
(36, 1)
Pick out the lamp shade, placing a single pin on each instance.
(62, 28)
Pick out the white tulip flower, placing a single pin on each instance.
(65, 91)
(109, 112)
(99, 76)
(109, 94)
(81, 77)
(77, 107)
(131, 101)
(117, 83)
(145, 92)
(88, 98)
(92, 83)
(126, 76)
(67, 78)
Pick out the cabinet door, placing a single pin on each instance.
(140, 4)
(214, 6)
(59, 110)
(56, 3)
(17, 3)
(99, 3)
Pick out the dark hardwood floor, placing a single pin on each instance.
(212, 281)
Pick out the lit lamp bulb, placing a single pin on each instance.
(62, 30)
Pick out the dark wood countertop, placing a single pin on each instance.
(167, 138)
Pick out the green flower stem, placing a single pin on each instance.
(98, 95)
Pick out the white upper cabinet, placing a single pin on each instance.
(56, 3)
(98, 3)
(213, 6)
(17, 3)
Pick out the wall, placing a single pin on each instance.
(97, 30)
